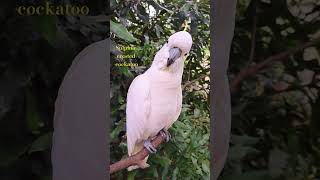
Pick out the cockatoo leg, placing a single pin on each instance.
(147, 144)
(165, 133)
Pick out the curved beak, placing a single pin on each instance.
(174, 53)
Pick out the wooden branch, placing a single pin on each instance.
(251, 70)
(132, 160)
(193, 81)
(298, 87)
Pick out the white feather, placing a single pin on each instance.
(137, 111)
(154, 98)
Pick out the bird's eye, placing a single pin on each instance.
(185, 54)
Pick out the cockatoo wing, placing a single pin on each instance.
(177, 108)
(137, 111)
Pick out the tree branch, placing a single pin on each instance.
(132, 160)
(193, 81)
(297, 87)
(248, 71)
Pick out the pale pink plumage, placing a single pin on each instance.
(154, 98)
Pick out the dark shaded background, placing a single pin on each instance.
(36, 52)
(275, 111)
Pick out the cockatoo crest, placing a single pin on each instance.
(181, 40)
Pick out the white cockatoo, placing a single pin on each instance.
(154, 98)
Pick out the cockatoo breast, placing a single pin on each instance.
(154, 98)
(165, 104)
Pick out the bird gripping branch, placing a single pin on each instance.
(154, 98)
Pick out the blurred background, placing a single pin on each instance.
(275, 111)
(36, 52)
(146, 26)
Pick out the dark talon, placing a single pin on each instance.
(147, 144)
(165, 134)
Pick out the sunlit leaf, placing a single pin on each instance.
(42, 143)
(311, 53)
(121, 32)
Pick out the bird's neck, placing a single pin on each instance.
(173, 78)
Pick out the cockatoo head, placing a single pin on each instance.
(171, 56)
(181, 40)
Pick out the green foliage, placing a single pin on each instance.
(42, 143)
(186, 156)
(121, 31)
(275, 113)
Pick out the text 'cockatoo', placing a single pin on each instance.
(154, 98)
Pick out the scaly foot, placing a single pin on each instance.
(147, 144)
(165, 133)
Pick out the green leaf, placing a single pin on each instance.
(305, 76)
(238, 152)
(242, 6)
(126, 71)
(205, 166)
(280, 21)
(157, 6)
(42, 143)
(159, 30)
(165, 172)
(131, 175)
(115, 132)
(196, 113)
(32, 114)
(311, 53)
(121, 32)
(48, 28)
(7, 157)
(175, 173)
(277, 161)
(122, 107)
(154, 172)
(120, 99)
